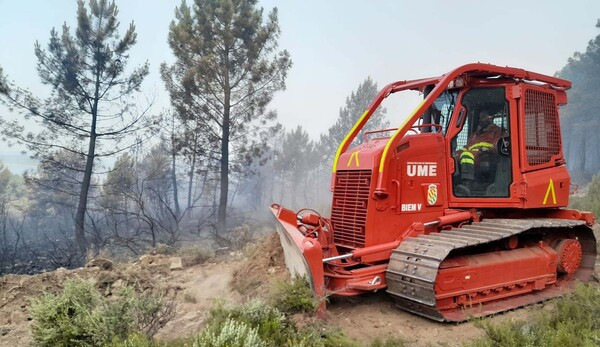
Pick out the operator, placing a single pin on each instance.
(483, 140)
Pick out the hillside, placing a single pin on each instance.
(232, 279)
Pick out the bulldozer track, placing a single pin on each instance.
(413, 266)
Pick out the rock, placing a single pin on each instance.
(271, 270)
(118, 284)
(60, 270)
(148, 261)
(176, 264)
(102, 263)
(4, 331)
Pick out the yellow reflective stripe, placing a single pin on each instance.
(339, 150)
(467, 154)
(481, 144)
(467, 161)
(389, 143)
(355, 156)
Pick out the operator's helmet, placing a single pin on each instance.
(485, 119)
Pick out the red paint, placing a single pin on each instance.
(491, 276)
(373, 211)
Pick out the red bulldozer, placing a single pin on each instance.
(461, 211)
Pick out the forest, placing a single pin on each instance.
(138, 220)
(117, 176)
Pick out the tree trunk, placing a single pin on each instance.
(83, 194)
(224, 180)
(192, 170)
(174, 182)
(87, 175)
(173, 169)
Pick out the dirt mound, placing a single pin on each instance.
(194, 290)
(263, 265)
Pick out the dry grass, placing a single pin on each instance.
(196, 255)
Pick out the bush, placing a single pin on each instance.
(574, 321)
(133, 340)
(230, 333)
(591, 200)
(273, 328)
(150, 311)
(295, 297)
(80, 316)
(141, 340)
(72, 317)
(269, 322)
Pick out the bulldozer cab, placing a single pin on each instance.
(499, 131)
(479, 138)
(480, 144)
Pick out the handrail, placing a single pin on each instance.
(387, 90)
(431, 125)
(376, 131)
(440, 86)
(440, 83)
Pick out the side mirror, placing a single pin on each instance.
(503, 146)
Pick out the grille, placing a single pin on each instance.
(542, 138)
(349, 208)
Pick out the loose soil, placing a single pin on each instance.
(194, 290)
(235, 278)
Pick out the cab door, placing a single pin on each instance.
(482, 161)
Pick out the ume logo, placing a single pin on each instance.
(421, 169)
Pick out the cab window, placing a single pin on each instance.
(481, 149)
(439, 112)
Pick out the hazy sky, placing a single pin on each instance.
(335, 45)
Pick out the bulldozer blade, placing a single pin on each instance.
(303, 255)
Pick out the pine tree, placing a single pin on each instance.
(294, 164)
(356, 104)
(579, 117)
(226, 72)
(91, 98)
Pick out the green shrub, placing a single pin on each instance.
(80, 316)
(274, 329)
(231, 333)
(574, 321)
(321, 337)
(253, 324)
(141, 340)
(74, 317)
(133, 340)
(295, 297)
(270, 324)
(591, 200)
